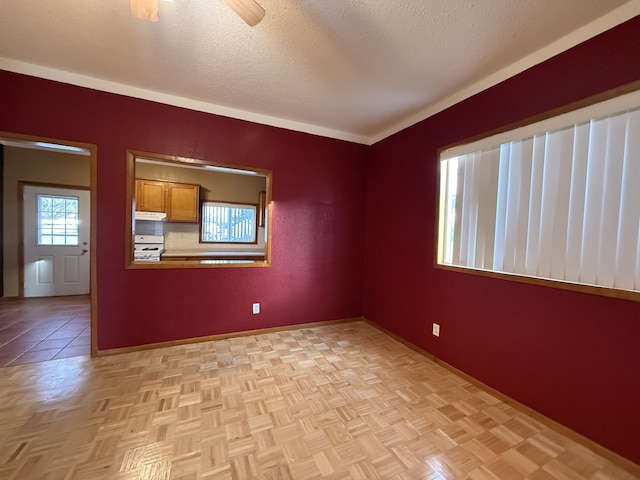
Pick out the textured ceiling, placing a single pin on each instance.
(352, 69)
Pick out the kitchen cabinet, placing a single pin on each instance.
(182, 202)
(150, 196)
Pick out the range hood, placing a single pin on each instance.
(153, 216)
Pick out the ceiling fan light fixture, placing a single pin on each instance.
(247, 10)
(144, 9)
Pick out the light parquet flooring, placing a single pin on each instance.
(336, 402)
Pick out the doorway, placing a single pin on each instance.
(59, 175)
(55, 228)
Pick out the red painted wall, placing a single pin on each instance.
(573, 357)
(318, 225)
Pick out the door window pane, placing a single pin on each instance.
(57, 220)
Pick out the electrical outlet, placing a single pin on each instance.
(256, 308)
(436, 329)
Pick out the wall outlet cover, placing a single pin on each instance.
(436, 329)
(256, 308)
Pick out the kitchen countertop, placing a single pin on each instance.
(209, 253)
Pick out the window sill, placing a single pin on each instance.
(560, 284)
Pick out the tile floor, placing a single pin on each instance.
(39, 329)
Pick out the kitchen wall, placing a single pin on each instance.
(32, 166)
(571, 356)
(216, 186)
(318, 225)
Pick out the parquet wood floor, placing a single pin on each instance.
(335, 402)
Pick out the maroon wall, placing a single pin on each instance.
(318, 225)
(574, 357)
(571, 356)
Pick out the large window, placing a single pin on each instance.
(228, 222)
(558, 200)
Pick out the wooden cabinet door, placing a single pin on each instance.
(150, 196)
(183, 202)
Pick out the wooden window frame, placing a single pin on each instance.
(234, 204)
(559, 284)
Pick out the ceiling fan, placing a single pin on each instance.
(249, 10)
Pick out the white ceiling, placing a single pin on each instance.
(357, 70)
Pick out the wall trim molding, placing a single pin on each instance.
(597, 26)
(591, 30)
(118, 88)
(223, 336)
(595, 447)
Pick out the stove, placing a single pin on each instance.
(148, 248)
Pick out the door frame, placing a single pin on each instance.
(21, 186)
(93, 244)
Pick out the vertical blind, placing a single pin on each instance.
(232, 223)
(561, 204)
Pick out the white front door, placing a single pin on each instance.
(56, 241)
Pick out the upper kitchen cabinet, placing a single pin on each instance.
(150, 196)
(182, 202)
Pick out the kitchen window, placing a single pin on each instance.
(555, 201)
(228, 223)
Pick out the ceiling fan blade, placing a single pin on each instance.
(247, 10)
(144, 9)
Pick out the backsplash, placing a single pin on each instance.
(186, 236)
